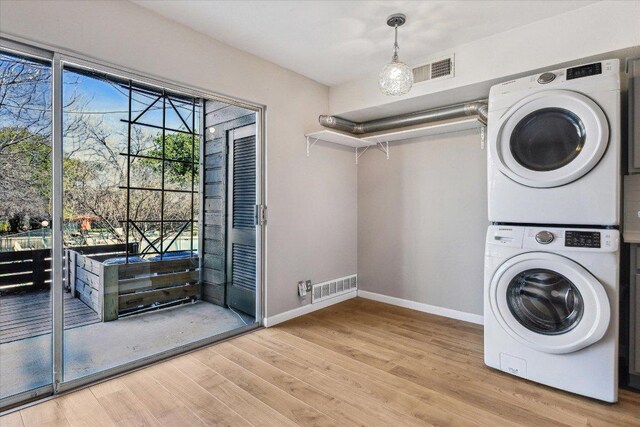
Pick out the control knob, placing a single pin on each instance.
(546, 78)
(544, 237)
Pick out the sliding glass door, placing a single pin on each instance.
(25, 225)
(129, 226)
(131, 221)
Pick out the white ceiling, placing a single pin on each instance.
(336, 41)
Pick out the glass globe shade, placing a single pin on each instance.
(396, 78)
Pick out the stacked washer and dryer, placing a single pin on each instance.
(553, 249)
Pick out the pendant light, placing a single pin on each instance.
(396, 78)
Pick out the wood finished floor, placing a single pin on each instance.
(356, 363)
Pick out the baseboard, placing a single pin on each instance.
(306, 309)
(426, 308)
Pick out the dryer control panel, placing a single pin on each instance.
(596, 76)
(584, 71)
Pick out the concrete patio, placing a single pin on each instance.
(26, 363)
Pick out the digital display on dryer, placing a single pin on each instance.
(584, 71)
(582, 239)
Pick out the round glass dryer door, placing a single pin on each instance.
(549, 302)
(550, 138)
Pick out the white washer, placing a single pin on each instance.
(551, 307)
(554, 147)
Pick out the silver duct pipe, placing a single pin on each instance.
(474, 108)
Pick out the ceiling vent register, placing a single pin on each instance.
(433, 70)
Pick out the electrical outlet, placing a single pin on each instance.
(302, 290)
(308, 285)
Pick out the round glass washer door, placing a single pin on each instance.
(550, 139)
(545, 301)
(549, 303)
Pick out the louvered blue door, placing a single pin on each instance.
(241, 220)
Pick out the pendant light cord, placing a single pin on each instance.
(396, 48)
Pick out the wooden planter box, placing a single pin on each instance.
(112, 289)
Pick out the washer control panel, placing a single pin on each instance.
(554, 239)
(582, 239)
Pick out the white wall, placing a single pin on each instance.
(589, 31)
(308, 238)
(422, 214)
(422, 219)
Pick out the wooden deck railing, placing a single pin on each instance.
(25, 270)
(31, 270)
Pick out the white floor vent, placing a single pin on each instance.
(333, 288)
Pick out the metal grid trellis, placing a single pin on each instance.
(166, 100)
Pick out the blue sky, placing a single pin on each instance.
(109, 97)
(103, 101)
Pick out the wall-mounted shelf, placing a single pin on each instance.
(337, 138)
(382, 140)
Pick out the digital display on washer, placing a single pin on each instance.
(584, 71)
(582, 239)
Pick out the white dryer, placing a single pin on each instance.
(554, 147)
(551, 307)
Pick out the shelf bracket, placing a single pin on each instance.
(358, 154)
(483, 136)
(384, 147)
(309, 145)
